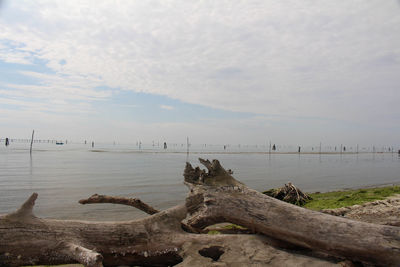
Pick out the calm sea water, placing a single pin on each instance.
(62, 175)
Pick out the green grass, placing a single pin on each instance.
(333, 200)
(226, 227)
(214, 232)
(234, 227)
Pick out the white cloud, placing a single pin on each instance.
(337, 60)
(54, 106)
(166, 107)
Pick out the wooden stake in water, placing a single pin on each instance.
(30, 151)
(187, 149)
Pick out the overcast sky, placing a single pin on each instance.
(295, 72)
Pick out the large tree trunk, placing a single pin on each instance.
(215, 196)
(159, 240)
(26, 239)
(154, 241)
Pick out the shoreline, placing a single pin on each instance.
(374, 186)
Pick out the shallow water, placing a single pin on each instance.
(64, 174)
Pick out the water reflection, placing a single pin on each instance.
(30, 172)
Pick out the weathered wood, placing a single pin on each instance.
(159, 240)
(134, 202)
(154, 240)
(289, 193)
(217, 197)
(25, 212)
(85, 256)
(30, 150)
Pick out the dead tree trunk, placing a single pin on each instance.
(159, 240)
(26, 239)
(154, 241)
(215, 196)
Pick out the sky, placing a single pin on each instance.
(294, 72)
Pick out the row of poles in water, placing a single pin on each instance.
(275, 148)
(271, 148)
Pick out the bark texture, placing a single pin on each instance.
(215, 197)
(160, 239)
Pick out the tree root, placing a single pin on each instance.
(289, 193)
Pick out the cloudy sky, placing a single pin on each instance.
(296, 72)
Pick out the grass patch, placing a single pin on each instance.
(338, 199)
(234, 227)
(214, 232)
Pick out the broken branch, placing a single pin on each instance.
(133, 202)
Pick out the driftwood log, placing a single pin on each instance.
(173, 236)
